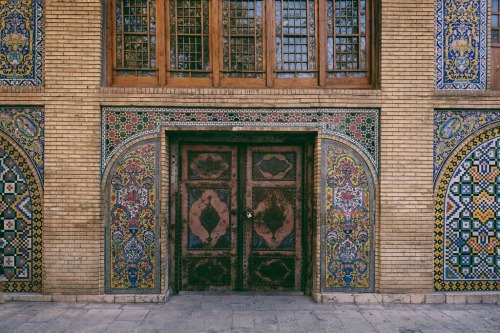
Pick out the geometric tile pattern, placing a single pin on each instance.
(25, 125)
(461, 44)
(467, 235)
(452, 127)
(348, 217)
(20, 223)
(21, 42)
(133, 224)
(123, 124)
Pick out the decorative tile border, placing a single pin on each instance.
(347, 221)
(467, 227)
(25, 125)
(21, 43)
(452, 127)
(120, 125)
(461, 44)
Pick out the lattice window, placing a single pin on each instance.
(189, 38)
(347, 39)
(242, 38)
(241, 43)
(135, 38)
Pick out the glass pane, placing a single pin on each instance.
(135, 38)
(494, 21)
(494, 6)
(242, 29)
(189, 46)
(295, 38)
(347, 44)
(494, 36)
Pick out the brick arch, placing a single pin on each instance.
(21, 220)
(467, 223)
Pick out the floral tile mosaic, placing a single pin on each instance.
(451, 127)
(348, 219)
(123, 124)
(461, 44)
(467, 227)
(133, 221)
(25, 125)
(21, 42)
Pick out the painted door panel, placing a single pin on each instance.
(241, 212)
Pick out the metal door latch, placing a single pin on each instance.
(249, 215)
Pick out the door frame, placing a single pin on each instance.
(174, 140)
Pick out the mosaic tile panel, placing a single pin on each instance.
(467, 230)
(25, 125)
(461, 44)
(451, 127)
(347, 249)
(21, 42)
(133, 226)
(121, 125)
(20, 223)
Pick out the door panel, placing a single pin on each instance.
(273, 202)
(241, 211)
(208, 198)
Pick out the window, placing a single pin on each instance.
(241, 43)
(495, 45)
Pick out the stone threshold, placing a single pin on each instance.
(335, 298)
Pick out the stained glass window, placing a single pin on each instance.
(135, 38)
(295, 38)
(189, 38)
(242, 39)
(347, 40)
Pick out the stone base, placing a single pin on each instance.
(335, 298)
(430, 298)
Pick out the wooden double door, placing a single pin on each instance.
(240, 221)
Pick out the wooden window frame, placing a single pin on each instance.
(495, 51)
(216, 78)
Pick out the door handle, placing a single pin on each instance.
(249, 214)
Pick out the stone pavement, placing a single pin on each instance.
(246, 313)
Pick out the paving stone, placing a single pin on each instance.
(417, 298)
(96, 298)
(252, 314)
(146, 298)
(124, 298)
(64, 298)
(474, 299)
(396, 298)
(31, 298)
(338, 298)
(367, 298)
(456, 299)
(490, 299)
(435, 298)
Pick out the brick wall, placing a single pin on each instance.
(73, 223)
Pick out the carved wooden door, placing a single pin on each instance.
(241, 211)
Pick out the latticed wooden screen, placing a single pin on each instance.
(241, 42)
